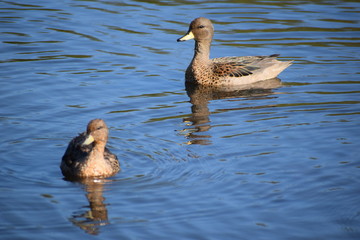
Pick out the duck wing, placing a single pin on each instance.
(112, 159)
(232, 69)
(75, 152)
(239, 66)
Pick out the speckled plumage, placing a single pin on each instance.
(82, 160)
(225, 70)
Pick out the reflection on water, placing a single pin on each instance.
(91, 220)
(199, 120)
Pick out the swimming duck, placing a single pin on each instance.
(87, 155)
(225, 70)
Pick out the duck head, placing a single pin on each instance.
(96, 132)
(200, 29)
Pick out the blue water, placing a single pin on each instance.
(278, 164)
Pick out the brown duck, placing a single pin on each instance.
(225, 70)
(87, 155)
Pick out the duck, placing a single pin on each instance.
(87, 156)
(225, 71)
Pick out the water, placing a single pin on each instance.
(196, 164)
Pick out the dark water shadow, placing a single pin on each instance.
(96, 214)
(199, 121)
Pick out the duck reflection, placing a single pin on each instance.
(91, 220)
(199, 121)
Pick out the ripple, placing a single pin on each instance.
(197, 163)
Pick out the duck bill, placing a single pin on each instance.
(89, 139)
(186, 37)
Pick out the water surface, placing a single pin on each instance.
(196, 163)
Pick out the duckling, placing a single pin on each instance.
(225, 71)
(87, 155)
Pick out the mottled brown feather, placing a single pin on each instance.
(81, 161)
(225, 70)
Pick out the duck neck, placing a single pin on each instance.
(202, 51)
(98, 151)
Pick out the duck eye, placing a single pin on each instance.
(99, 128)
(201, 26)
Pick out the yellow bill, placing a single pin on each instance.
(89, 139)
(187, 36)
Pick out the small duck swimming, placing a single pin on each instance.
(225, 71)
(87, 155)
